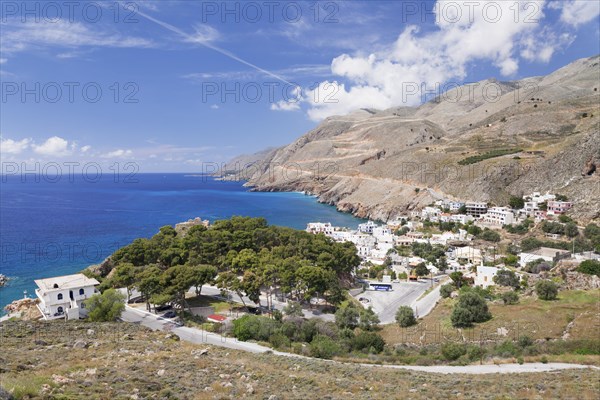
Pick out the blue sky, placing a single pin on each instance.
(186, 83)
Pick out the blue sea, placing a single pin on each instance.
(55, 228)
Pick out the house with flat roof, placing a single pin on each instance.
(64, 296)
(545, 253)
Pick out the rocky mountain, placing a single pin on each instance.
(484, 141)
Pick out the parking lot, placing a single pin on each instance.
(385, 304)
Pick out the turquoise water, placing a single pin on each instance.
(57, 228)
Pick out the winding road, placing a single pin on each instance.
(198, 336)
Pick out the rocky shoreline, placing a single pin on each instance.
(3, 280)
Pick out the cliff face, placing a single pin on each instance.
(378, 164)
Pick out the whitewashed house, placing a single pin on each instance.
(484, 277)
(320, 227)
(367, 227)
(545, 253)
(499, 216)
(64, 296)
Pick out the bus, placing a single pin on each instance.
(384, 287)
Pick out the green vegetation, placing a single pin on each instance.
(470, 308)
(446, 290)
(405, 317)
(569, 229)
(546, 290)
(105, 307)
(590, 267)
(489, 235)
(510, 298)
(516, 202)
(521, 228)
(488, 155)
(507, 277)
(243, 255)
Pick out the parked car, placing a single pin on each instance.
(163, 307)
(170, 314)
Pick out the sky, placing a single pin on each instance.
(176, 86)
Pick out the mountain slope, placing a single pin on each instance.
(371, 162)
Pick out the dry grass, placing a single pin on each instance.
(535, 318)
(131, 362)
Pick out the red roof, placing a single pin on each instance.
(216, 318)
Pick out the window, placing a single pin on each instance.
(60, 296)
(60, 310)
(82, 305)
(81, 292)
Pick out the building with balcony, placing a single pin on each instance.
(64, 296)
(499, 216)
(476, 209)
(559, 207)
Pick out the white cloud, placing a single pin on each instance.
(381, 79)
(18, 36)
(10, 146)
(85, 149)
(3, 60)
(578, 12)
(214, 107)
(54, 146)
(118, 153)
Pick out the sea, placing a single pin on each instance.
(52, 226)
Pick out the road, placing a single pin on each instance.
(385, 304)
(198, 336)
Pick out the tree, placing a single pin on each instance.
(124, 276)
(470, 308)
(516, 202)
(421, 269)
(489, 235)
(368, 319)
(571, 229)
(446, 290)
(201, 275)
(293, 309)
(506, 277)
(368, 341)
(457, 278)
(148, 282)
(442, 264)
(105, 307)
(405, 316)
(510, 297)
(546, 290)
(176, 281)
(590, 267)
(347, 316)
(462, 209)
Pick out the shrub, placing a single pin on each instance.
(405, 316)
(368, 340)
(510, 298)
(489, 235)
(254, 327)
(590, 267)
(453, 351)
(446, 290)
(506, 277)
(471, 307)
(475, 353)
(323, 347)
(525, 341)
(520, 360)
(106, 307)
(544, 360)
(347, 316)
(546, 290)
(280, 341)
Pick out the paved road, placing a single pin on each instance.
(198, 336)
(385, 304)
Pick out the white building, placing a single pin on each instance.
(320, 227)
(484, 276)
(539, 198)
(499, 216)
(544, 253)
(468, 254)
(461, 218)
(383, 234)
(476, 209)
(430, 213)
(367, 227)
(64, 296)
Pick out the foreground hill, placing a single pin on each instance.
(125, 361)
(537, 134)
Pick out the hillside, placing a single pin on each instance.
(125, 361)
(370, 162)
